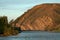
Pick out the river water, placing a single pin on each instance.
(33, 35)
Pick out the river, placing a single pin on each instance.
(33, 35)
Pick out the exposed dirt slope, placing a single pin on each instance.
(40, 17)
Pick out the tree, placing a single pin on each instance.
(3, 24)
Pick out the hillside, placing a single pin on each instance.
(40, 17)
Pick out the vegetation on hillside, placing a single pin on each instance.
(5, 28)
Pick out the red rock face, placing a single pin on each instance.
(39, 17)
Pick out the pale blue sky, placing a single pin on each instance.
(15, 8)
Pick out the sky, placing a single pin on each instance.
(15, 8)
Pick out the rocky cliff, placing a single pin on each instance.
(40, 17)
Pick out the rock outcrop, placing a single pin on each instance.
(40, 17)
